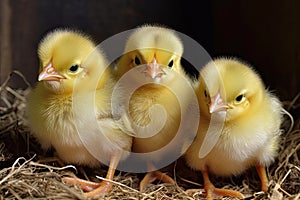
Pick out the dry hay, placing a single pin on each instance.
(23, 177)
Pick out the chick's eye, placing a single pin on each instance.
(73, 68)
(205, 93)
(171, 63)
(239, 98)
(137, 61)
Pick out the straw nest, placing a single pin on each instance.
(24, 175)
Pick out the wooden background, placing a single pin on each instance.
(264, 33)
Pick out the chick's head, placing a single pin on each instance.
(155, 48)
(62, 54)
(231, 86)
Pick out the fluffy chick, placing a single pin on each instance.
(152, 61)
(72, 69)
(232, 94)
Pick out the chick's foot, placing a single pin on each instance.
(85, 185)
(150, 177)
(212, 191)
(261, 170)
(92, 189)
(104, 188)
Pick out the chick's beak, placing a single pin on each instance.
(49, 74)
(153, 69)
(217, 104)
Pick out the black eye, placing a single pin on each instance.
(171, 63)
(74, 68)
(239, 98)
(205, 93)
(137, 61)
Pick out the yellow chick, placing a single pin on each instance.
(152, 62)
(239, 124)
(74, 89)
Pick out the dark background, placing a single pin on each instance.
(263, 33)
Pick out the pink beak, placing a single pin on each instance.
(217, 104)
(49, 74)
(153, 69)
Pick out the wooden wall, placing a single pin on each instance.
(266, 34)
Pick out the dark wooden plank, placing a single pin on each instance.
(264, 34)
(5, 36)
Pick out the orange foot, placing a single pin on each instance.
(261, 170)
(92, 189)
(150, 177)
(211, 190)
